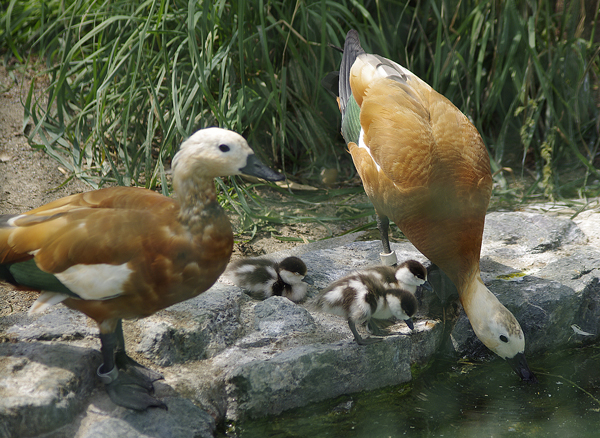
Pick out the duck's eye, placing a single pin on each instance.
(503, 338)
(224, 148)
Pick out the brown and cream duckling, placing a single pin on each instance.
(361, 297)
(408, 275)
(128, 252)
(265, 278)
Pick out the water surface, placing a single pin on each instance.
(451, 399)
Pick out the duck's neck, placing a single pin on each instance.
(475, 298)
(482, 308)
(196, 195)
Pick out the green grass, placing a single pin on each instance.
(127, 82)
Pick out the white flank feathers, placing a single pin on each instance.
(95, 282)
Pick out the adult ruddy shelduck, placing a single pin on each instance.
(126, 252)
(424, 166)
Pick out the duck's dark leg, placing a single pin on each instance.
(124, 388)
(130, 366)
(442, 285)
(359, 340)
(388, 257)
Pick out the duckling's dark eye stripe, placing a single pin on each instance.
(224, 148)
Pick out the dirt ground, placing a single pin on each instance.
(30, 178)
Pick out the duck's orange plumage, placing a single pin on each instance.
(436, 195)
(124, 225)
(128, 252)
(424, 166)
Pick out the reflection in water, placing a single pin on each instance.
(459, 400)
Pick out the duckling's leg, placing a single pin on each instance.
(359, 340)
(124, 388)
(375, 326)
(388, 257)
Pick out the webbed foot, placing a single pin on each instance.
(144, 376)
(358, 338)
(367, 341)
(128, 390)
(128, 383)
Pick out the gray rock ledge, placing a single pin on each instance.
(227, 356)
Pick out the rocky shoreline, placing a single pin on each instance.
(226, 356)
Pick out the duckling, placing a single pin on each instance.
(265, 278)
(361, 297)
(408, 275)
(424, 165)
(126, 252)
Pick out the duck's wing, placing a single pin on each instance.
(87, 245)
(423, 164)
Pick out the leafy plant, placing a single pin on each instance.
(127, 81)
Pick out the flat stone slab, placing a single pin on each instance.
(225, 355)
(43, 385)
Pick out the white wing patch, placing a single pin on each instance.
(95, 282)
(359, 309)
(335, 296)
(12, 220)
(362, 145)
(46, 300)
(272, 272)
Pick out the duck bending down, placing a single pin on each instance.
(361, 297)
(267, 278)
(126, 252)
(424, 166)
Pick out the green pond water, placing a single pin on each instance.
(450, 399)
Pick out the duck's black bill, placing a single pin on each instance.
(254, 167)
(427, 286)
(519, 365)
(409, 323)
